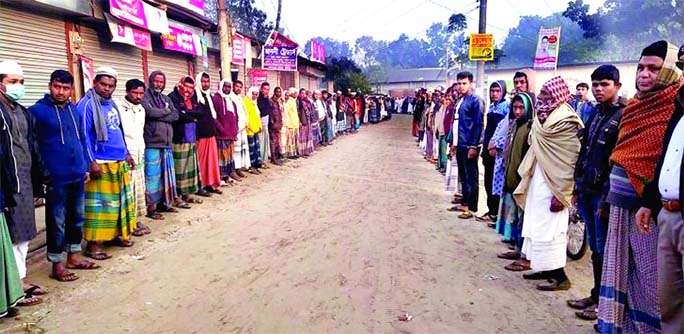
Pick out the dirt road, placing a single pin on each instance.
(343, 242)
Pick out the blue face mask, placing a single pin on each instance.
(15, 92)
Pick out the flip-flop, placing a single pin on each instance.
(84, 265)
(118, 242)
(36, 290)
(155, 216)
(63, 277)
(466, 215)
(192, 200)
(516, 266)
(97, 255)
(182, 205)
(510, 255)
(30, 300)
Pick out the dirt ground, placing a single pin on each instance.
(343, 242)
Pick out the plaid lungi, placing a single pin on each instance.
(306, 145)
(160, 176)
(109, 204)
(225, 154)
(138, 187)
(254, 154)
(187, 175)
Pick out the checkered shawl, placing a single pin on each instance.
(559, 91)
(669, 74)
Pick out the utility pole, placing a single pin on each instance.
(280, 8)
(480, 64)
(225, 39)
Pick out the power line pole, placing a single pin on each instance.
(225, 39)
(280, 8)
(480, 64)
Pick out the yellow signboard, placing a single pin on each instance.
(481, 47)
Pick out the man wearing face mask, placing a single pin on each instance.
(545, 190)
(109, 210)
(21, 219)
(160, 179)
(61, 140)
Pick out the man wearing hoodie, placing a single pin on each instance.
(21, 219)
(498, 109)
(160, 178)
(109, 210)
(61, 141)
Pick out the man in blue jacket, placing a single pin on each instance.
(61, 142)
(470, 114)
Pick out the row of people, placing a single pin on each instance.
(618, 161)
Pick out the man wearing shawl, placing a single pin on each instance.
(185, 142)
(591, 175)
(547, 182)
(227, 132)
(440, 135)
(133, 124)
(670, 177)
(628, 300)
(109, 205)
(241, 152)
(304, 111)
(207, 149)
(290, 137)
(253, 129)
(275, 126)
(160, 175)
(498, 110)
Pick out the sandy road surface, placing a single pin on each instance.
(343, 242)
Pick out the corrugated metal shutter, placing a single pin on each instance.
(37, 43)
(286, 79)
(173, 64)
(273, 80)
(125, 59)
(214, 69)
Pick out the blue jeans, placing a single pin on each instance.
(597, 230)
(64, 217)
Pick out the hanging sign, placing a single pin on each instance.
(548, 48)
(481, 47)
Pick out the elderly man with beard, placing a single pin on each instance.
(160, 178)
(109, 207)
(545, 190)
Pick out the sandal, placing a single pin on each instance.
(466, 215)
(510, 255)
(192, 200)
(83, 265)
(97, 255)
(155, 216)
(35, 290)
(517, 266)
(457, 208)
(118, 242)
(138, 232)
(29, 300)
(182, 205)
(65, 276)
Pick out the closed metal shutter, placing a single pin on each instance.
(37, 43)
(286, 79)
(125, 59)
(173, 64)
(214, 69)
(273, 80)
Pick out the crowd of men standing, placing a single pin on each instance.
(618, 161)
(103, 164)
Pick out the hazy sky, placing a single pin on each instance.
(387, 19)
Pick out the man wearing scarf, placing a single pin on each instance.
(275, 125)
(304, 111)
(591, 175)
(290, 138)
(253, 129)
(241, 153)
(109, 208)
(26, 162)
(628, 297)
(670, 178)
(227, 131)
(207, 149)
(160, 177)
(545, 190)
(498, 110)
(133, 124)
(265, 110)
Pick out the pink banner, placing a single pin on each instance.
(126, 34)
(196, 6)
(259, 77)
(182, 41)
(238, 49)
(88, 72)
(131, 11)
(317, 52)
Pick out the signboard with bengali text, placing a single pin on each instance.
(481, 47)
(127, 34)
(317, 52)
(548, 48)
(182, 41)
(140, 14)
(279, 58)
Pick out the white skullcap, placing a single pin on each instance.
(11, 67)
(106, 70)
(316, 91)
(292, 90)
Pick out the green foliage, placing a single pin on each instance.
(248, 19)
(346, 74)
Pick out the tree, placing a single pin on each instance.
(248, 19)
(333, 48)
(347, 74)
